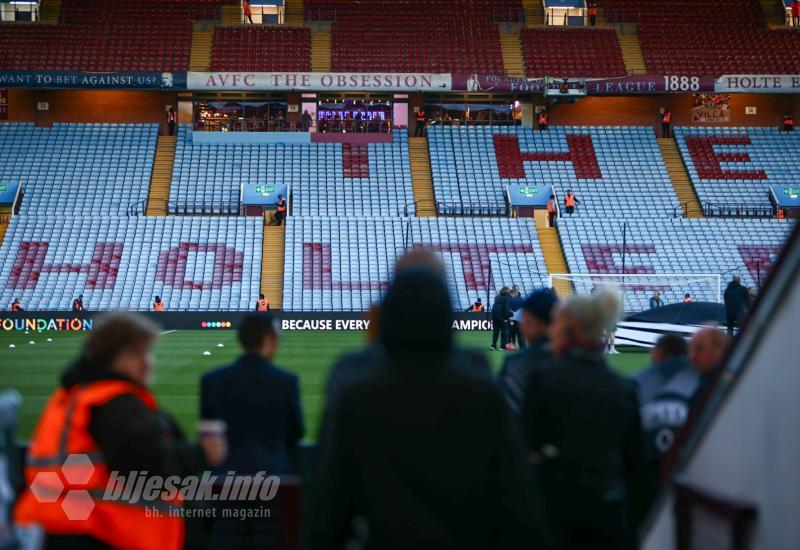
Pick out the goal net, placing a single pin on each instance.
(637, 289)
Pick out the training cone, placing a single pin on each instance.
(206, 353)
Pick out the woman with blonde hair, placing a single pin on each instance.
(582, 424)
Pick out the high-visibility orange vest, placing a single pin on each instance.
(262, 305)
(421, 116)
(158, 306)
(592, 11)
(551, 206)
(543, 118)
(788, 120)
(16, 307)
(781, 214)
(246, 8)
(688, 300)
(282, 206)
(171, 116)
(76, 305)
(569, 200)
(477, 307)
(63, 430)
(667, 118)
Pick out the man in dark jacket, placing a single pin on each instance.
(736, 298)
(501, 316)
(537, 312)
(259, 402)
(666, 390)
(422, 456)
(582, 424)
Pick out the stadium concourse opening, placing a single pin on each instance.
(392, 274)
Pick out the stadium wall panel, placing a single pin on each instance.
(88, 106)
(68, 321)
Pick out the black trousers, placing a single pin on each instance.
(551, 218)
(731, 321)
(593, 20)
(665, 129)
(499, 328)
(570, 209)
(419, 131)
(171, 128)
(542, 127)
(279, 217)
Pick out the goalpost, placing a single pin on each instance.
(637, 289)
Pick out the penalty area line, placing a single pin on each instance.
(166, 332)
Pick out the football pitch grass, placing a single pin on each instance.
(34, 368)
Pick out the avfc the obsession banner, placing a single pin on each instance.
(93, 81)
(334, 82)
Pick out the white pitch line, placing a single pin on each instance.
(167, 332)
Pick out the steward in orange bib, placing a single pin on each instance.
(570, 200)
(552, 212)
(158, 304)
(477, 306)
(104, 411)
(419, 130)
(666, 120)
(543, 119)
(16, 306)
(262, 304)
(280, 210)
(687, 298)
(788, 123)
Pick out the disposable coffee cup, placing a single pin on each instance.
(211, 428)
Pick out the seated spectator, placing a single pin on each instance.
(104, 408)
(666, 390)
(422, 455)
(582, 424)
(264, 420)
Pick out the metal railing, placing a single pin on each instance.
(138, 208)
(737, 210)
(470, 209)
(680, 210)
(202, 208)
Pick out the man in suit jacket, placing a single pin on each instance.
(259, 402)
(421, 454)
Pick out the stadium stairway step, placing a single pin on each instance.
(511, 45)
(50, 11)
(534, 12)
(294, 12)
(554, 259)
(272, 258)
(202, 39)
(680, 178)
(321, 47)
(161, 177)
(773, 14)
(5, 219)
(632, 53)
(421, 178)
(231, 14)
